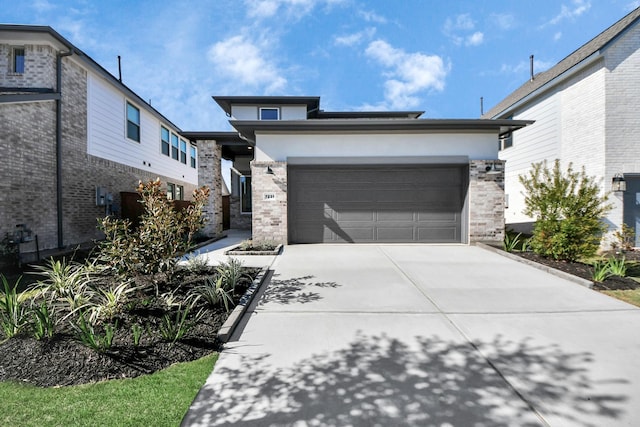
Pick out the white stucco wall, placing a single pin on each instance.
(287, 112)
(277, 147)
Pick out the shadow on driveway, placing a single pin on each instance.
(381, 381)
(297, 290)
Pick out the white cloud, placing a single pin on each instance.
(459, 30)
(244, 62)
(371, 16)
(475, 39)
(575, 9)
(296, 9)
(355, 38)
(407, 74)
(42, 6)
(557, 36)
(503, 21)
(633, 5)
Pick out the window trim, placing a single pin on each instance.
(261, 109)
(164, 143)
(14, 57)
(175, 148)
(171, 191)
(183, 154)
(193, 153)
(137, 125)
(179, 192)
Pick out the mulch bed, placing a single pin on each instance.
(63, 360)
(586, 271)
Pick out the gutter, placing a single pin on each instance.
(59, 57)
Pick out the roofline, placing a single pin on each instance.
(225, 102)
(566, 67)
(248, 128)
(90, 62)
(369, 114)
(230, 138)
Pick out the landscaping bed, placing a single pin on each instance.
(585, 271)
(64, 359)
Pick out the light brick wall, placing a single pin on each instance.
(28, 173)
(269, 219)
(210, 174)
(238, 220)
(39, 67)
(486, 202)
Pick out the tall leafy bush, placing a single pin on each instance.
(568, 209)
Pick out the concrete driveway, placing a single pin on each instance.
(424, 335)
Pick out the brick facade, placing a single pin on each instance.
(269, 201)
(238, 220)
(486, 201)
(210, 174)
(28, 184)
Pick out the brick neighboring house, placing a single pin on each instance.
(73, 138)
(586, 113)
(304, 175)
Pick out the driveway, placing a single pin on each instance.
(424, 335)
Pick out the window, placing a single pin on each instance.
(183, 151)
(269, 114)
(193, 157)
(179, 192)
(506, 141)
(164, 140)
(245, 194)
(18, 60)
(171, 191)
(133, 122)
(174, 146)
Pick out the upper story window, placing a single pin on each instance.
(174, 146)
(133, 122)
(193, 157)
(183, 151)
(17, 65)
(506, 140)
(269, 114)
(164, 140)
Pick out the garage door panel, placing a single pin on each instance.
(376, 204)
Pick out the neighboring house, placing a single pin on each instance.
(73, 138)
(304, 175)
(586, 112)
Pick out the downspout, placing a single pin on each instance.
(59, 57)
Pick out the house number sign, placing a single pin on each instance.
(269, 196)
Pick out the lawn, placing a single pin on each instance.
(159, 399)
(631, 296)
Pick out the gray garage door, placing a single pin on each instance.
(363, 204)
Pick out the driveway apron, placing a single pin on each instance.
(424, 335)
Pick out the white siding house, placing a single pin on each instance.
(586, 113)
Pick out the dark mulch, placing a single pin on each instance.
(63, 360)
(586, 271)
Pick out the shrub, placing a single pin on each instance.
(617, 267)
(214, 293)
(568, 209)
(163, 233)
(625, 238)
(511, 241)
(600, 271)
(231, 273)
(174, 327)
(43, 321)
(12, 310)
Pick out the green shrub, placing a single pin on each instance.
(43, 321)
(88, 336)
(511, 241)
(625, 238)
(163, 233)
(174, 326)
(568, 209)
(214, 292)
(13, 315)
(617, 267)
(231, 272)
(600, 271)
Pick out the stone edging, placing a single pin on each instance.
(224, 333)
(235, 251)
(555, 272)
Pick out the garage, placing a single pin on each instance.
(377, 203)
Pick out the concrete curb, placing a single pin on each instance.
(224, 333)
(236, 251)
(555, 272)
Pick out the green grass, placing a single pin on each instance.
(630, 296)
(159, 399)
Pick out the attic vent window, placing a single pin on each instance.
(269, 114)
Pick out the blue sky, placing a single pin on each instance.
(431, 55)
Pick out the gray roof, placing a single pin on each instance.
(248, 128)
(582, 53)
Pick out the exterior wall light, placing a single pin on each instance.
(270, 171)
(493, 169)
(618, 183)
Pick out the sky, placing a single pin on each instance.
(435, 56)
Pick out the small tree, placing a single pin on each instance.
(162, 235)
(568, 209)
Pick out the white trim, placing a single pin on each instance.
(260, 109)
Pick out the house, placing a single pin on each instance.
(74, 137)
(305, 175)
(586, 113)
